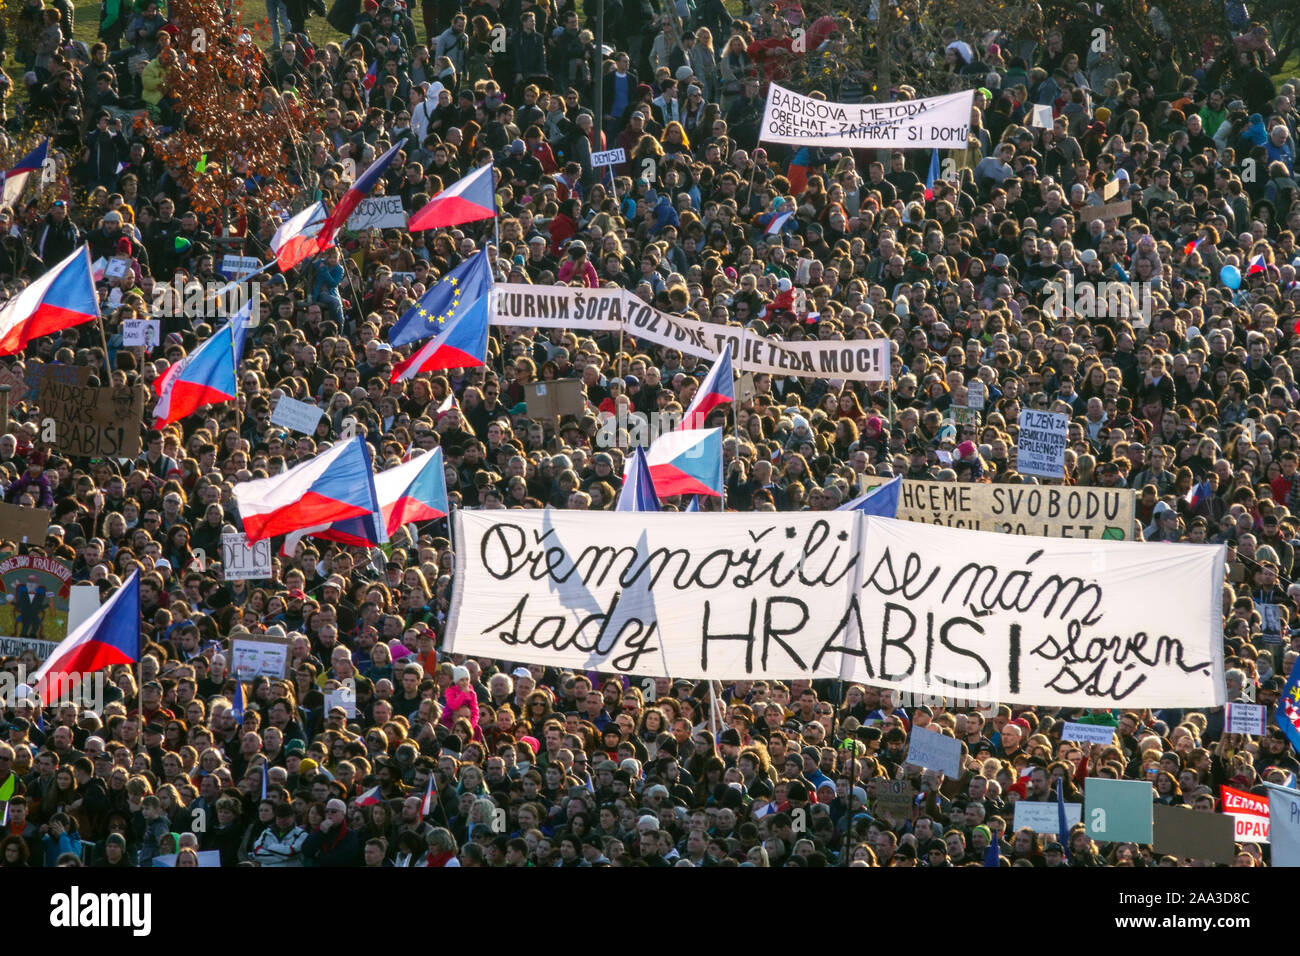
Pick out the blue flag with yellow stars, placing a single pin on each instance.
(446, 299)
(1288, 708)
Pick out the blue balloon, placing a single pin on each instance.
(1230, 276)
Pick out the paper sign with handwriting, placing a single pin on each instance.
(1088, 734)
(934, 751)
(912, 607)
(1045, 817)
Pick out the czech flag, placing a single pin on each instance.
(239, 704)
(337, 487)
(298, 237)
(880, 502)
(638, 492)
(415, 491)
(687, 463)
(63, 297)
(718, 388)
(15, 180)
(1258, 264)
(426, 805)
(777, 222)
(358, 191)
(109, 637)
(372, 75)
(204, 377)
(1198, 493)
(371, 797)
(470, 198)
(466, 283)
(1192, 246)
(462, 341)
(932, 175)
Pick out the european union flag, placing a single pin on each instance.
(446, 299)
(1288, 707)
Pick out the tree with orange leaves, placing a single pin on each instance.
(237, 144)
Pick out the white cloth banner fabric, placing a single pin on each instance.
(916, 608)
(612, 310)
(940, 121)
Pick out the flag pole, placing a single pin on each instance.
(103, 337)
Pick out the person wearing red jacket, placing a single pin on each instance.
(773, 54)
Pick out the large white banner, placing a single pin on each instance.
(940, 121)
(614, 310)
(917, 608)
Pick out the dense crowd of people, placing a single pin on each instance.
(453, 761)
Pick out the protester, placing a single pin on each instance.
(1186, 393)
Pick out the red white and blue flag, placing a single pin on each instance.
(687, 463)
(469, 199)
(1198, 493)
(881, 501)
(371, 797)
(718, 388)
(415, 491)
(459, 315)
(335, 488)
(109, 637)
(1257, 264)
(298, 237)
(15, 180)
(65, 296)
(426, 805)
(932, 175)
(206, 376)
(638, 492)
(351, 199)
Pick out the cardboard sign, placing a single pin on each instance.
(38, 375)
(117, 268)
(1111, 210)
(94, 422)
(1046, 817)
(1245, 719)
(964, 415)
(1190, 835)
(1042, 117)
(894, 797)
(23, 525)
(1055, 511)
(233, 266)
(380, 212)
(254, 657)
(745, 388)
(976, 394)
(298, 416)
(555, 399)
(610, 157)
(934, 751)
(1088, 734)
(241, 561)
(1040, 445)
(1110, 190)
(145, 333)
(1117, 810)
